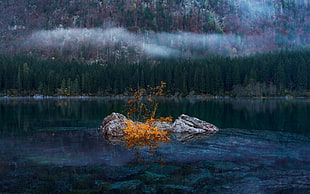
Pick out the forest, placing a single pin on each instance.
(110, 30)
(278, 73)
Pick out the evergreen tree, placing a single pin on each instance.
(285, 71)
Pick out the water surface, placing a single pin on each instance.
(53, 146)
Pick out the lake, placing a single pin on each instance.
(53, 146)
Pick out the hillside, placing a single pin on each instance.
(130, 30)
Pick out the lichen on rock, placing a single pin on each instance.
(114, 125)
(187, 124)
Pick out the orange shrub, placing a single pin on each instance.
(137, 109)
(138, 134)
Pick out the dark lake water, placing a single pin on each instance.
(52, 146)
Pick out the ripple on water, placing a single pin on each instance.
(230, 161)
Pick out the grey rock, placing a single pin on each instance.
(185, 128)
(187, 124)
(165, 126)
(113, 125)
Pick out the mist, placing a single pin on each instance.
(254, 14)
(181, 44)
(100, 38)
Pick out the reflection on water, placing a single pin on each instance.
(68, 148)
(258, 114)
(53, 145)
(24, 115)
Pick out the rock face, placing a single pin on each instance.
(165, 126)
(113, 125)
(187, 124)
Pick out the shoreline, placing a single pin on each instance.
(194, 97)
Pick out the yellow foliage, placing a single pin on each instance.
(139, 134)
(137, 109)
(144, 134)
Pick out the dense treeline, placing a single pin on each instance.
(272, 74)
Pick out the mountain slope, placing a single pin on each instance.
(115, 30)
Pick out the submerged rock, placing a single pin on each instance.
(171, 188)
(187, 137)
(151, 177)
(187, 124)
(130, 186)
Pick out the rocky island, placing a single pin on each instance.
(184, 127)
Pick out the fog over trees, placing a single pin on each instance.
(120, 30)
(105, 47)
